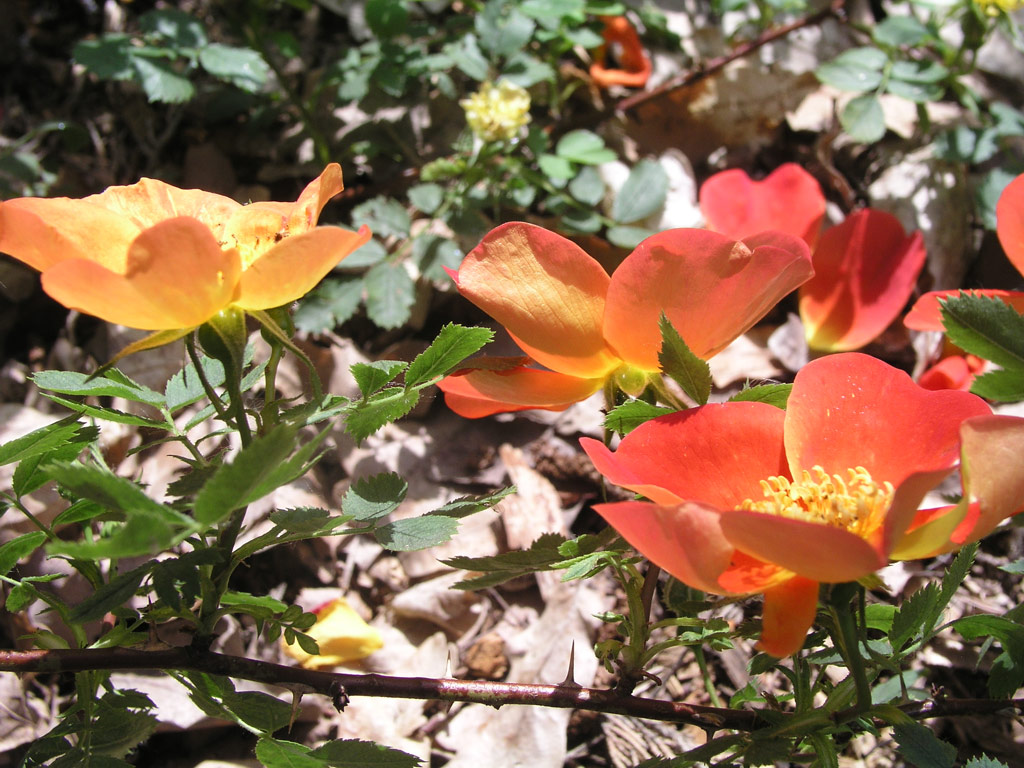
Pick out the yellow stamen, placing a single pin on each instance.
(858, 504)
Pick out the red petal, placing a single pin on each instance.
(789, 611)
(635, 65)
(925, 315)
(716, 454)
(849, 410)
(992, 451)
(478, 393)
(1010, 222)
(711, 288)
(864, 272)
(953, 372)
(788, 200)
(684, 540)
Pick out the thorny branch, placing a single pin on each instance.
(834, 9)
(341, 686)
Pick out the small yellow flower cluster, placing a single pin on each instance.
(497, 111)
(993, 7)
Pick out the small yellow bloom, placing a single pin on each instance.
(341, 634)
(497, 111)
(993, 7)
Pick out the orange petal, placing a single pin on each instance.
(926, 314)
(930, 532)
(992, 447)
(43, 232)
(547, 292)
(711, 288)
(953, 372)
(177, 277)
(788, 200)
(716, 454)
(813, 550)
(1010, 222)
(747, 575)
(150, 201)
(849, 410)
(789, 611)
(295, 265)
(684, 540)
(635, 67)
(476, 393)
(864, 272)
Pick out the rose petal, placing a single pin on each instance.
(478, 393)
(547, 292)
(150, 201)
(1010, 222)
(992, 447)
(295, 265)
(864, 272)
(789, 611)
(711, 288)
(788, 200)
(635, 67)
(684, 540)
(177, 277)
(926, 314)
(953, 372)
(849, 410)
(716, 454)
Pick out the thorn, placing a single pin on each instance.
(570, 675)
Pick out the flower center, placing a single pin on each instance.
(857, 504)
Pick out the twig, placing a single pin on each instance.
(834, 9)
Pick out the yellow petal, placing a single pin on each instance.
(342, 636)
(176, 277)
(295, 265)
(150, 201)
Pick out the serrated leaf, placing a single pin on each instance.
(82, 385)
(109, 490)
(773, 394)
(386, 217)
(333, 302)
(542, 555)
(502, 29)
(857, 69)
(390, 294)
(1001, 386)
(259, 710)
(353, 753)
(17, 548)
(526, 70)
(242, 67)
(427, 197)
(363, 419)
(628, 237)
(143, 533)
(46, 439)
(984, 762)
(922, 748)
(111, 595)
(232, 484)
(587, 186)
(453, 345)
(177, 27)
(370, 498)
(371, 377)
(285, 754)
(863, 119)
(987, 327)
(470, 505)
(643, 194)
(628, 416)
(433, 254)
(415, 533)
(585, 147)
(909, 621)
(108, 58)
(161, 82)
(302, 520)
(387, 18)
(555, 167)
(685, 368)
(106, 414)
(897, 31)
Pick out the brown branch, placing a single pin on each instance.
(340, 686)
(835, 9)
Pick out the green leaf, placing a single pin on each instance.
(370, 498)
(1016, 567)
(988, 192)
(555, 167)
(857, 69)
(628, 416)
(242, 67)
(259, 710)
(542, 555)
(643, 194)
(285, 754)
(373, 251)
(773, 394)
(863, 119)
(301, 520)
(910, 620)
(434, 254)
(1009, 633)
(1002, 386)
(114, 384)
(898, 31)
(353, 753)
(588, 186)
(143, 533)
(686, 369)
(185, 387)
(987, 327)
(984, 762)
(426, 197)
(371, 377)
(502, 29)
(922, 748)
(161, 81)
(365, 418)
(178, 28)
(111, 595)
(628, 237)
(585, 147)
(109, 490)
(390, 294)
(386, 217)
(333, 302)
(108, 58)
(231, 485)
(106, 414)
(387, 18)
(415, 533)
(470, 505)
(526, 70)
(46, 439)
(468, 58)
(17, 548)
(453, 345)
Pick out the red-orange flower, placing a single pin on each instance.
(565, 312)
(159, 258)
(746, 498)
(952, 372)
(864, 272)
(926, 314)
(635, 66)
